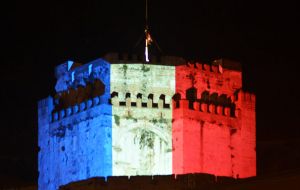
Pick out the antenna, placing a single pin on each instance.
(148, 39)
(146, 13)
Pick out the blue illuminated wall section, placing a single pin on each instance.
(121, 120)
(75, 142)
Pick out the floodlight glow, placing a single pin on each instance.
(142, 137)
(146, 54)
(142, 119)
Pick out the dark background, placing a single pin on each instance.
(36, 36)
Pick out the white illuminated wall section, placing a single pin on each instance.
(141, 135)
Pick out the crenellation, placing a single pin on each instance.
(196, 106)
(214, 120)
(189, 64)
(214, 68)
(155, 98)
(75, 109)
(168, 99)
(96, 100)
(245, 100)
(204, 107)
(237, 113)
(206, 67)
(75, 117)
(125, 117)
(219, 110)
(149, 103)
(133, 97)
(227, 111)
(212, 108)
(62, 114)
(54, 116)
(115, 101)
(160, 104)
(89, 103)
(128, 101)
(138, 58)
(139, 102)
(121, 95)
(232, 98)
(82, 106)
(210, 79)
(127, 95)
(68, 111)
(197, 65)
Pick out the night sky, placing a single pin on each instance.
(39, 35)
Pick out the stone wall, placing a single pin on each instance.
(142, 121)
(136, 119)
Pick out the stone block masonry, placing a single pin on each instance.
(125, 118)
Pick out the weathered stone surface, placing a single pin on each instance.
(137, 119)
(146, 131)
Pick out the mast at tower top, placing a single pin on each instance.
(148, 39)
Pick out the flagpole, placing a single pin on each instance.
(146, 13)
(146, 32)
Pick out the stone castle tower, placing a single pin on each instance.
(120, 117)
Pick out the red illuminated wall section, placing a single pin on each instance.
(213, 122)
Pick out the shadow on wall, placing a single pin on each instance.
(77, 95)
(190, 181)
(206, 98)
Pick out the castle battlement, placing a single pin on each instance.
(245, 97)
(116, 58)
(77, 108)
(204, 107)
(119, 116)
(137, 101)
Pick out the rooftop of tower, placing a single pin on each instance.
(125, 58)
